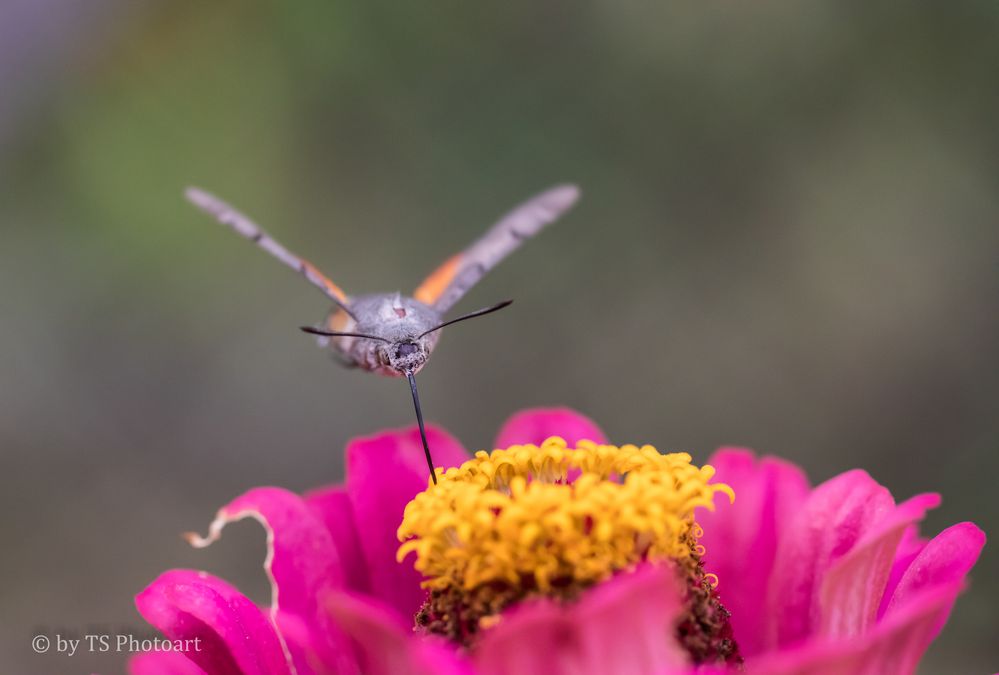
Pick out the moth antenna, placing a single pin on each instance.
(419, 420)
(332, 333)
(471, 315)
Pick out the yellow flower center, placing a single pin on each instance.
(553, 515)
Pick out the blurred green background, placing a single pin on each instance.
(788, 240)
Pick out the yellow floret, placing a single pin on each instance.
(556, 514)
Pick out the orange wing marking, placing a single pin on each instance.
(317, 277)
(433, 286)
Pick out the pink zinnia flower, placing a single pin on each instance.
(570, 556)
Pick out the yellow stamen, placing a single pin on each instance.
(554, 515)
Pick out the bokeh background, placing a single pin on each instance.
(788, 240)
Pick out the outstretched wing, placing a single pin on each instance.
(247, 229)
(449, 282)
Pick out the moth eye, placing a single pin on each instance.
(406, 349)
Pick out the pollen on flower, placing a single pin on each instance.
(556, 514)
(551, 520)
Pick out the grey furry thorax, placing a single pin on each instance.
(401, 322)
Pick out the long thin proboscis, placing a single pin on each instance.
(419, 420)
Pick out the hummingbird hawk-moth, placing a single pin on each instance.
(391, 333)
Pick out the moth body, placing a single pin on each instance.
(399, 321)
(390, 333)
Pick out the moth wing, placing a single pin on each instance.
(448, 283)
(246, 228)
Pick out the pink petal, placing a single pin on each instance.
(386, 646)
(908, 549)
(832, 520)
(536, 424)
(384, 472)
(302, 562)
(943, 563)
(309, 649)
(852, 589)
(332, 505)
(234, 636)
(741, 538)
(622, 626)
(162, 663)
(894, 646)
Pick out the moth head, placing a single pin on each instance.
(406, 355)
(402, 347)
